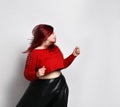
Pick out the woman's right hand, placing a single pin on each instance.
(41, 72)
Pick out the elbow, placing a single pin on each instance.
(65, 65)
(29, 77)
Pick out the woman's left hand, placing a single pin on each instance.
(76, 51)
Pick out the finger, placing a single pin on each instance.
(76, 50)
(77, 47)
(43, 67)
(43, 72)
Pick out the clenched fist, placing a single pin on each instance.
(76, 51)
(41, 72)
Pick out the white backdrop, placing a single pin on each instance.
(94, 25)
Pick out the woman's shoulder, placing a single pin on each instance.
(56, 46)
(38, 51)
(35, 52)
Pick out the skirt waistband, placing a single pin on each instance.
(49, 80)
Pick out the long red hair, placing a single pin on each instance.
(40, 33)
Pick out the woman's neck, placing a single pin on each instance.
(44, 45)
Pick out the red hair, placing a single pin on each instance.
(40, 33)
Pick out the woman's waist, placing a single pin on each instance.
(51, 75)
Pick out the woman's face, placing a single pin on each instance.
(52, 38)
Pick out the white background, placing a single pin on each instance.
(94, 25)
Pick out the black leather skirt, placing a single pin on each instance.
(46, 93)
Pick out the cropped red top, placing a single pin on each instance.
(52, 59)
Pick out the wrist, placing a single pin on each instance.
(74, 54)
(37, 75)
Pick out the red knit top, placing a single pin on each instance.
(51, 58)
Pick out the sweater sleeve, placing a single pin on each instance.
(66, 61)
(69, 60)
(30, 67)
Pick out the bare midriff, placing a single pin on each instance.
(51, 75)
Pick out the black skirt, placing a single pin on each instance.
(46, 93)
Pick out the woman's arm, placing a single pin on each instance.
(69, 60)
(30, 67)
(71, 57)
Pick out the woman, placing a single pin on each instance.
(48, 87)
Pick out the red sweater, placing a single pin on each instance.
(52, 59)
